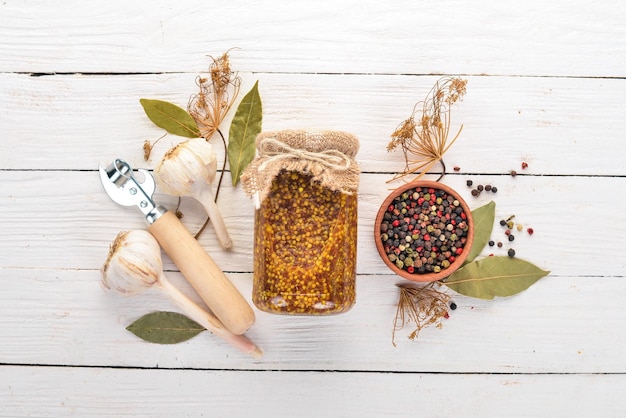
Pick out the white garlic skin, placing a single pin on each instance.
(134, 263)
(185, 164)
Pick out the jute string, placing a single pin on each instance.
(328, 156)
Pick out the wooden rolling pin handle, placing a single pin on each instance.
(215, 289)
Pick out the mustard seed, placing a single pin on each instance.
(305, 247)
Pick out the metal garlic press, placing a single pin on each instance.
(215, 289)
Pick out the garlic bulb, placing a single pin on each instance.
(134, 264)
(189, 169)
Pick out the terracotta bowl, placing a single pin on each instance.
(459, 259)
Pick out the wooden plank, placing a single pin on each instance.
(560, 38)
(166, 393)
(557, 125)
(560, 325)
(63, 219)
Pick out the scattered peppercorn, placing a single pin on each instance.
(502, 222)
(469, 183)
(494, 190)
(499, 244)
(453, 306)
(511, 237)
(524, 165)
(480, 187)
(520, 227)
(530, 231)
(488, 187)
(491, 243)
(457, 168)
(511, 252)
(513, 173)
(475, 192)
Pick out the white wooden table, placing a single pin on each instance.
(545, 85)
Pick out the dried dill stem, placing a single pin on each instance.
(148, 146)
(217, 94)
(422, 306)
(424, 141)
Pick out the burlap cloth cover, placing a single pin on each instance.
(328, 156)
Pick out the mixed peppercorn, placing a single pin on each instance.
(424, 230)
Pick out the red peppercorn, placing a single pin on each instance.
(459, 251)
(451, 259)
(524, 165)
(507, 232)
(463, 216)
(431, 191)
(426, 237)
(410, 269)
(530, 231)
(396, 223)
(391, 208)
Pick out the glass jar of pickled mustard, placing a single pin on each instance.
(305, 230)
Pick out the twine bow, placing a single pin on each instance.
(275, 150)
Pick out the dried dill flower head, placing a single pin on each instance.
(215, 97)
(425, 142)
(422, 306)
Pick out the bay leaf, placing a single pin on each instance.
(494, 276)
(483, 225)
(165, 328)
(172, 118)
(244, 128)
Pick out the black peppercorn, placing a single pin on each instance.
(469, 183)
(488, 187)
(511, 252)
(480, 187)
(491, 243)
(511, 237)
(494, 190)
(453, 306)
(502, 222)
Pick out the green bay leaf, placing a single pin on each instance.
(483, 225)
(165, 328)
(172, 118)
(494, 276)
(246, 125)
